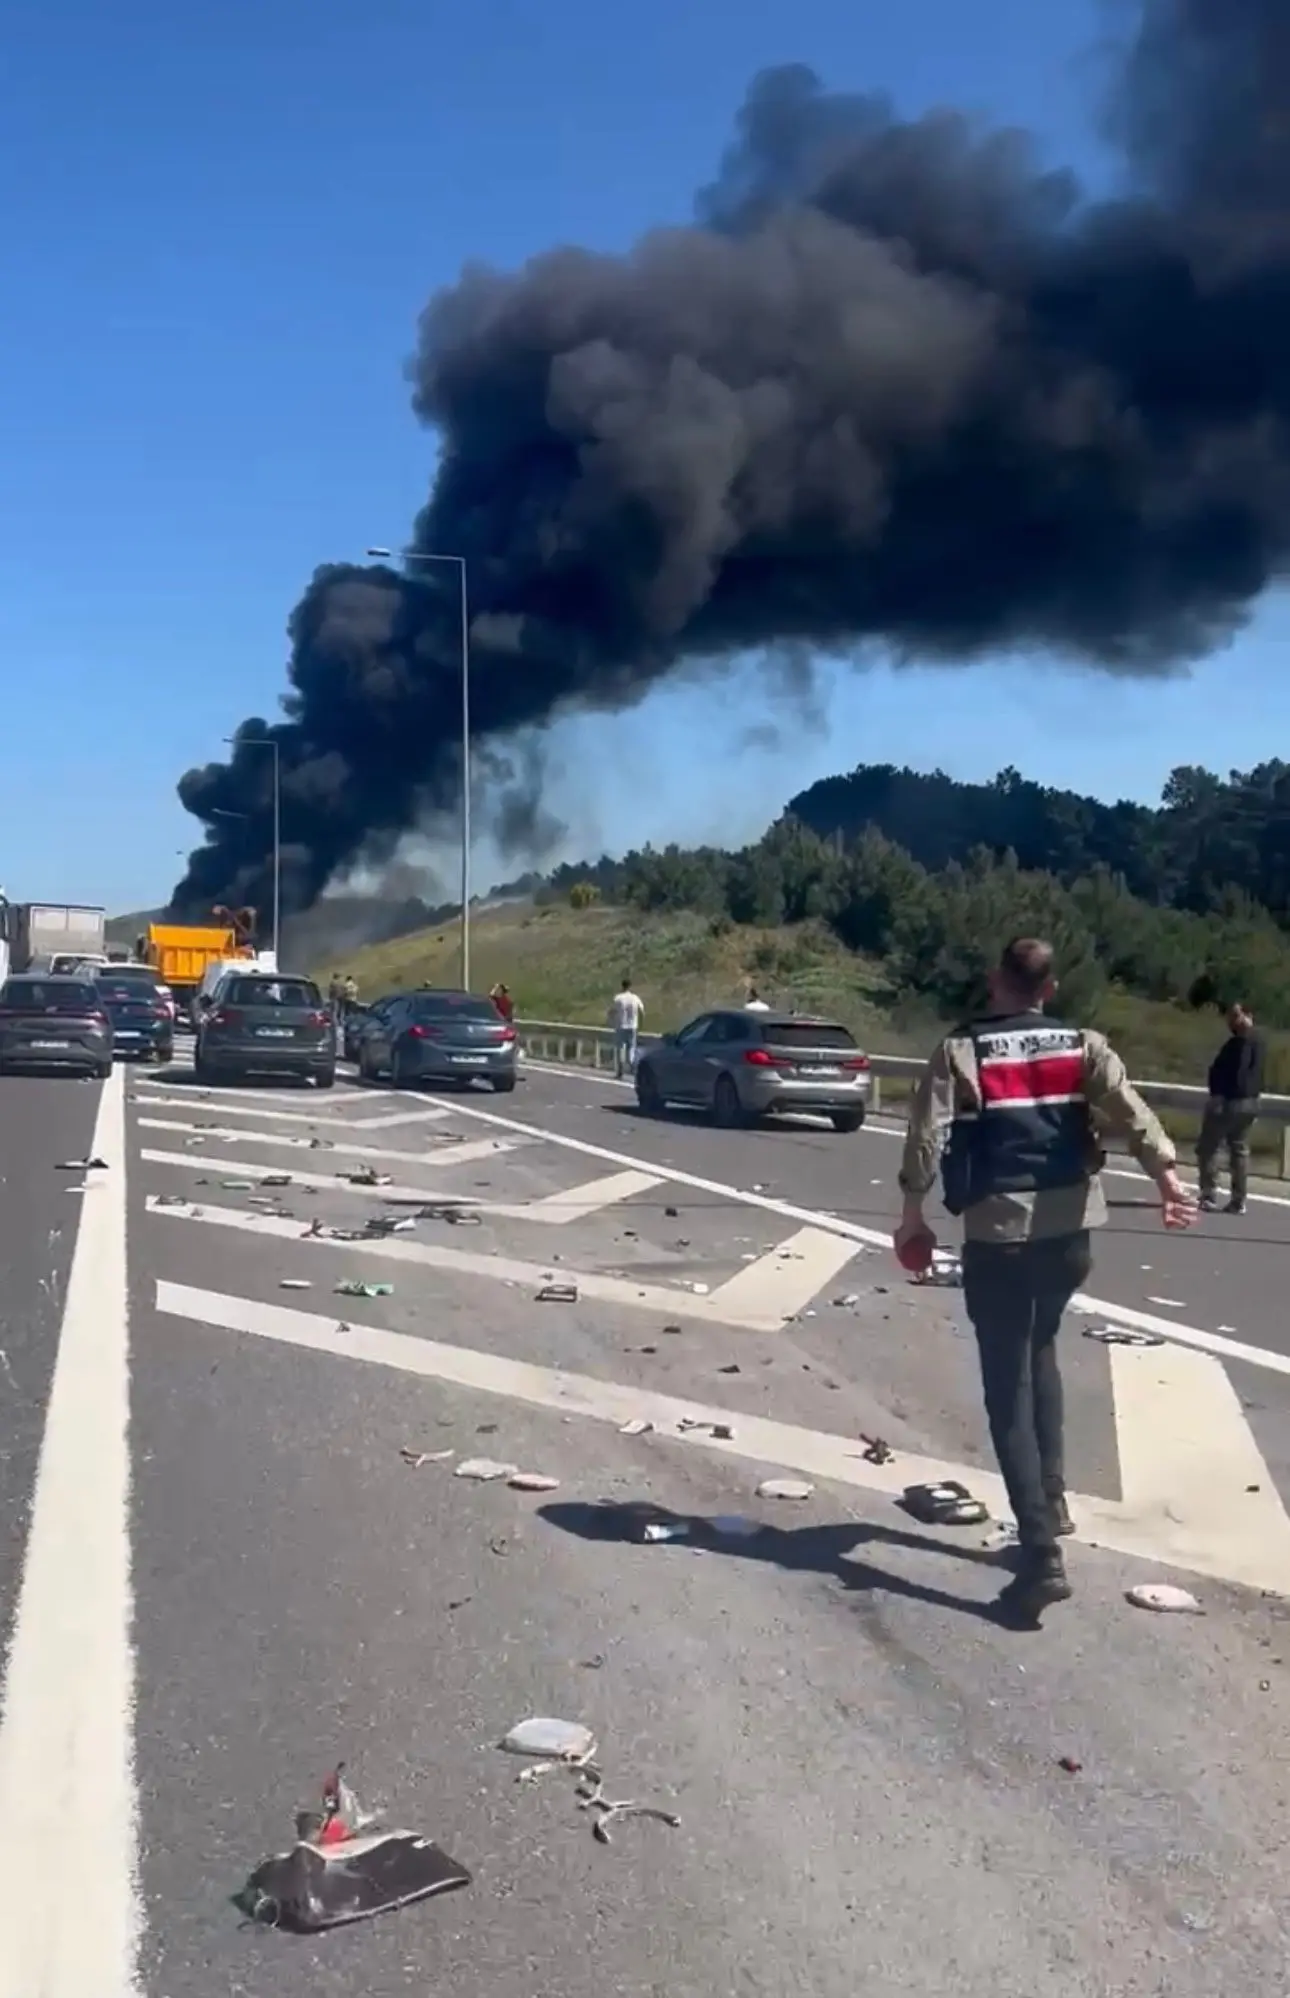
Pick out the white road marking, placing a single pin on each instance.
(558, 1209)
(270, 1114)
(185, 1080)
(1148, 1532)
(331, 1182)
(1186, 1451)
(833, 1224)
(68, 1797)
(220, 1134)
(592, 1284)
(784, 1281)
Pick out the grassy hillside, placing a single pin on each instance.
(563, 964)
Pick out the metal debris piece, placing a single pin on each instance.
(1120, 1335)
(276, 1179)
(485, 1470)
(354, 1288)
(171, 1200)
(700, 1289)
(1163, 1597)
(238, 1185)
(557, 1293)
(733, 1368)
(81, 1165)
(671, 1213)
(673, 1330)
(591, 1797)
(691, 1425)
(1171, 1303)
(294, 1283)
(533, 1481)
(638, 1426)
(416, 1458)
(365, 1176)
(877, 1450)
(785, 1488)
(851, 1297)
(557, 1742)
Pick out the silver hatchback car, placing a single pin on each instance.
(742, 1065)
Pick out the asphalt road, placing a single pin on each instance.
(866, 1766)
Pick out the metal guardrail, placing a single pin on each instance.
(574, 1046)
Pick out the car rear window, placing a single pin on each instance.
(808, 1034)
(454, 1006)
(139, 990)
(272, 992)
(40, 997)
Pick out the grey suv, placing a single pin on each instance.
(261, 1023)
(743, 1065)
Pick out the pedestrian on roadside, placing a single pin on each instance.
(754, 1003)
(626, 1011)
(1235, 1085)
(504, 1003)
(1011, 1108)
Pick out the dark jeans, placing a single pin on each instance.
(1225, 1124)
(1015, 1295)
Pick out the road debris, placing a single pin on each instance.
(591, 1797)
(276, 1179)
(1163, 1597)
(416, 1458)
(388, 1224)
(947, 1504)
(692, 1425)
(533, 1481)
(355, 1288)
(785, 1488)
(700, 1289)
(322, 1145)
(671, 1213)
(847, 1300)
(733, 1368)
(673, 1331)
(171, 1200)
(876, 1450)
(557, 1293)
(557, 1744)
(294, 1283)
(1120, 1335)
(485, 1470)
(1170, 1303)
(1070, 1764)
(81, 1165)
(638, 1426)
(367, 1176)
(238, 1185)
(945, 1271)
(343, 1869)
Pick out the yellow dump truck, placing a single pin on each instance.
(180, 952)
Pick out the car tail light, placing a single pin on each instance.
(762, 1058)
(161, 1011)
(857, 1061)
(423, 1033)
(318, 1020)
(509, 1034)
(97, 1019)
(227, 1016)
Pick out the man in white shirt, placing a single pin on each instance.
(754, 1002)
(626, 1011)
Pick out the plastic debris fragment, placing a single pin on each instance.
(1121, 1335)
(416, 1458)
(294, 1283)
(785, 1488)
(533, 1481)
(557, 1293)
(1164, 1597)
(638, 1426)
(552, 1740)
(485, 1470)
(354, 1288)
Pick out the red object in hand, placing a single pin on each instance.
(915, 1253)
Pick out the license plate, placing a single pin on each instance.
(475, 1061)
(276, 1033)
(51, 1044)
(821, 1071)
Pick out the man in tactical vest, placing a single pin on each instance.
(1010, 1108)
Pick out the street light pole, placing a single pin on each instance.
(459, 563)
(271, 742)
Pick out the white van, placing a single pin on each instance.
(218, 968)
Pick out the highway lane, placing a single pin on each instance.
(42, 1122)
(867, 1768)
(1228, 1274)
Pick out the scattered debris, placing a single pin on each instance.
(341, 1869)
(851, 1297)
(82, 1165)
(945, 1271)
(591, 1797)
(416, 1458)
(876, 1450)
(673, 1331)
(638, 1426)
(721, 1432)
(1119, 1335)
(671, 1213)
(947, 1504)
(533, 1481)
(238, 1185)
(1227, 1328)
(485, 1470)
(557, 1293)
(733, 1368)
(276, 1179)
(1164, 1597)
(171, 1200)
(499, 1544)
(785, 1488)
(1070, 1764)
(321, 1145)
(1003, 1534)
(556, 1742)
(387, 1224)
(294, 1283)
(355, 1288)
(700, 1289)
(1170, 1303)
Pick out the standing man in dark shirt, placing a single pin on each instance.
(1235, 1085)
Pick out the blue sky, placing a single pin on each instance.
(221, 222)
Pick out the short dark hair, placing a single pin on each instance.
(1027, 964)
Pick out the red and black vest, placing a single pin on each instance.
(1033, 1132)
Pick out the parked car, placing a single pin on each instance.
(741, 1065)
(141, 1010)
(258, 1022)
(48, 1022)
(439, 1036)
(359, 1019)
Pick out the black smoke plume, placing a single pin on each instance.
(898, 383)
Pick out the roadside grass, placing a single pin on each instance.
(565, 964)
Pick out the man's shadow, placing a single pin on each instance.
(820, 1550)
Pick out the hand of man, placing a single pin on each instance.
(1177, 1202)
(914, 1242)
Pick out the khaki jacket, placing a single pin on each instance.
(949, 1088)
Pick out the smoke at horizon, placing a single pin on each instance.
(898, 385)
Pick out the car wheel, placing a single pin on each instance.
(503, 1085)
(398, 1076)
(649, 1097)
(727, 1110)
(325, 1078)
(846, 1120)
(103, 1072)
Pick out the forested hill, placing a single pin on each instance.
(1209, 836)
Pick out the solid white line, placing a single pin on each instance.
(785, 1280)
(814, 1453)
(333, 1182)
(1186, 1449)
(184, 1079)
(578, 1203)
(592, 1284)
(221, 1135)
(68, 1798)
(274, 1116)
(833, 1224)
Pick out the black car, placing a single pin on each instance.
(139, 1009)
(48, 1022)
(264, 1023)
